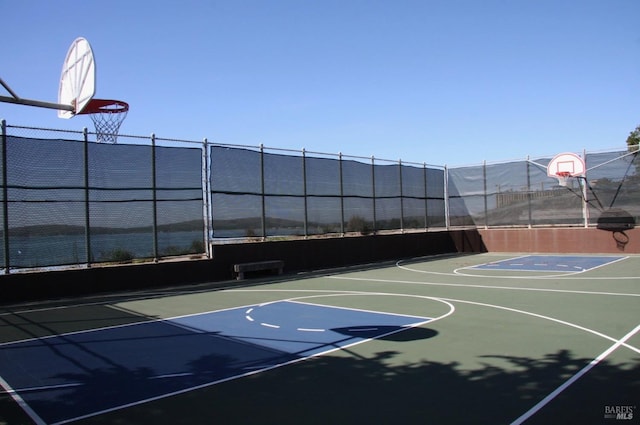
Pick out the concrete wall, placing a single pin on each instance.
(298, 255)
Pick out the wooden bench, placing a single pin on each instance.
(243, 268)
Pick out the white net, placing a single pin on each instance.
(107, 117)
(107, 125)
(563, 178)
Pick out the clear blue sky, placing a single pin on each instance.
(449, 82)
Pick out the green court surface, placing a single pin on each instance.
(473, 339)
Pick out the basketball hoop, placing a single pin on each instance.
(565, 165)
(107, 116)
(563, 177)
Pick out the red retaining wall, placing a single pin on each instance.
(561, 240)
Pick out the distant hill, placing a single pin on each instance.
(65, 229)
(184, 226)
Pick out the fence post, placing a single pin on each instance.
(484, 184)
(373, 192)
(207, 212)
(529, 200)
(87, 204)
(263, 219)
(154, 197)
(304, 190)
(447, 219)
(342, 232)
(426, 197)
(585, 200)
(5, 201)
(401, 198)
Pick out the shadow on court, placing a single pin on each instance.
(128, 365)
(346, 389)
(391, 333)
(18, 325)
(33, 324)
(339, 387)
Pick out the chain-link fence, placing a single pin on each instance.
(255, 193)
(519, 193)
(68, 200)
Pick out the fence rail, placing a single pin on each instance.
(68, 200)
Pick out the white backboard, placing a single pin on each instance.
(78, 79)
(566, 163)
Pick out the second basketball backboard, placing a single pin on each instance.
(565, 165)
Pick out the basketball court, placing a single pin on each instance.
(550, 263)
(477, 339)
(464, 339)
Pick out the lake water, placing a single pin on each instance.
(27, 252)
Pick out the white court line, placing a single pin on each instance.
(165, 320)
(34, 416)
(541, 316)
(447, 300)
(617, 342)
(23, 404)
(297, 300)
(111, 301)
(465, 285)
(535, 409)
(253, 371)
(577, 269)
(171, 375)
(564, 275)
(46, 387)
